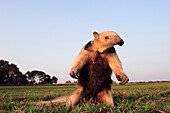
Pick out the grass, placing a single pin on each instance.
(131, 98)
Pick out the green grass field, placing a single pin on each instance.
(131, 98)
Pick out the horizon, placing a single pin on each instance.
(47, 36)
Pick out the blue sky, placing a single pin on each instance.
(47, 35)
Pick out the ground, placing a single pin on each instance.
(144, 97)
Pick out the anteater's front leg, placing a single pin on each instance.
(78, 63)
(116, 67)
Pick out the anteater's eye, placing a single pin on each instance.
(106, 37)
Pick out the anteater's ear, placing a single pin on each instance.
(96, 35)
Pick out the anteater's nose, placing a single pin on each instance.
(121, 42)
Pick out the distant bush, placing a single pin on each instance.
(11, 75)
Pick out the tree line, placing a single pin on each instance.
(11, 75)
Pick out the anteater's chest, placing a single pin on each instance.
(95, 74)
(97, 66)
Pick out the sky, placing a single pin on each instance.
(48, 35)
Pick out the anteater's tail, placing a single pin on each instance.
(62, 99)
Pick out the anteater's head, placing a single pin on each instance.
(108, 39)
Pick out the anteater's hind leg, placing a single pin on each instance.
(105, 96)
(76, 96)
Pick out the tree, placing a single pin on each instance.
(30, 77)
(36, 77)
(39, 77)
(21, 79)
(47, 79)
(10, 74)
(54, 80)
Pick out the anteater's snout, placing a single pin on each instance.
(121, 42)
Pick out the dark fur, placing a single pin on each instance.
(88, 45)
(109, 50)
(95, 75)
